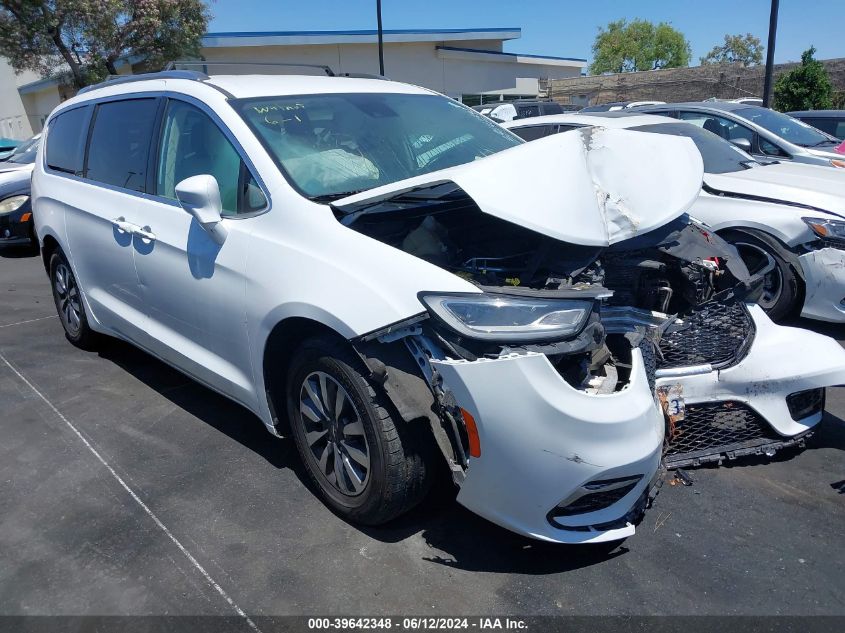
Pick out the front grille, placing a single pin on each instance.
(715, 430)
(718, 333)
(803, 404)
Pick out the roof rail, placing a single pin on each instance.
(113, 80)
(172, 65)
(363, 76)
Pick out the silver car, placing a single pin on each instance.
(763, 133)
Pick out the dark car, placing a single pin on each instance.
(531, 108)
(16, 225)
(829, 121)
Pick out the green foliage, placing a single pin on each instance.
(744, 49)
(638, 45)
(84, 38)
(806, 87)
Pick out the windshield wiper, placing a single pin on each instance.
(331, 197)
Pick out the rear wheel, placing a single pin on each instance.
(368, 464)
(69, 305)
(781, 293)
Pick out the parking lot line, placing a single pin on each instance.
(134, 496)
(52, 316)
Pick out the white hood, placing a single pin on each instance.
(591, 186)
(815, 186)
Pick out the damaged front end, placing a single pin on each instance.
(558, 388)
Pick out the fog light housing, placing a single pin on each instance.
(594, 496)
(803, 404)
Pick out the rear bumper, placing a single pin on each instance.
(824, 283)
(781, 361)
(543, 440)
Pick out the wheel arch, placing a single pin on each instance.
(49, 245)
(278, 348)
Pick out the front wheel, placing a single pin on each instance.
(781, 293)
(369, 465)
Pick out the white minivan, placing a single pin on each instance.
(402, 285)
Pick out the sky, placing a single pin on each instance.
(564, 28)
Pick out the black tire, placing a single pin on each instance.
(69, 304)
(398, 474)
(782, 291)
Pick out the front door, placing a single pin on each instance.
(194, 288)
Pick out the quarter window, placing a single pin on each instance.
(66, 144)
(193, 144)
(120, 143)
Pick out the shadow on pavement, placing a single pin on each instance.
(218, 412)
(18, 251)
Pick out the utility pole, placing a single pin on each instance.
(381, 39)
(770, 54)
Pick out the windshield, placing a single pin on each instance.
(25, 153)
(720, 156)
(331, 145)
(784, 126)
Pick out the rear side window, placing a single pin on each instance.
(120, 143)
(66, 142)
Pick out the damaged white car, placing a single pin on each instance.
(787, 218)
(398, 282)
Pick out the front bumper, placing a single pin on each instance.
(824, 282)
(780, 361)
(13, 231)
(543, 440)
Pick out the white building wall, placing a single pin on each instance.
(14, 122)
(412, 62)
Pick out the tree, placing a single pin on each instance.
(85, 38)
(806, 87)
(638, 45)
(744, 49)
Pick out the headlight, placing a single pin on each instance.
(827, 229)
(507, 318)
(12, 203)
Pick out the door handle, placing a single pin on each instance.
(123, 226)
(144, 233)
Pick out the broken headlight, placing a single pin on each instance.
(506, 318)
(830, 230)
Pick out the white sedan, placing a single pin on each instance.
(787, 214)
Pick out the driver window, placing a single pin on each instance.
(191, 145)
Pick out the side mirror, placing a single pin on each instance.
(200, 196)
(742, 143)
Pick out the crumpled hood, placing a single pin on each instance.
(811, 185)
(592, 186)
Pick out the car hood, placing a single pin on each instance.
(592, 186)
(6, 168)
(793, 183)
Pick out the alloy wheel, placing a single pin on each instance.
(755, 259)
(334, 433)
(67, 298)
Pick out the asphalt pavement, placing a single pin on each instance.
(128, 489)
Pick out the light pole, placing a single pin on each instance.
(380, 39)
(770, 54)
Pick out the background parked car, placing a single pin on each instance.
(619, 105)
(7, 146)
(828, 121)
(780, 215)
(16, 223)
(521, 109)
(764, 133)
